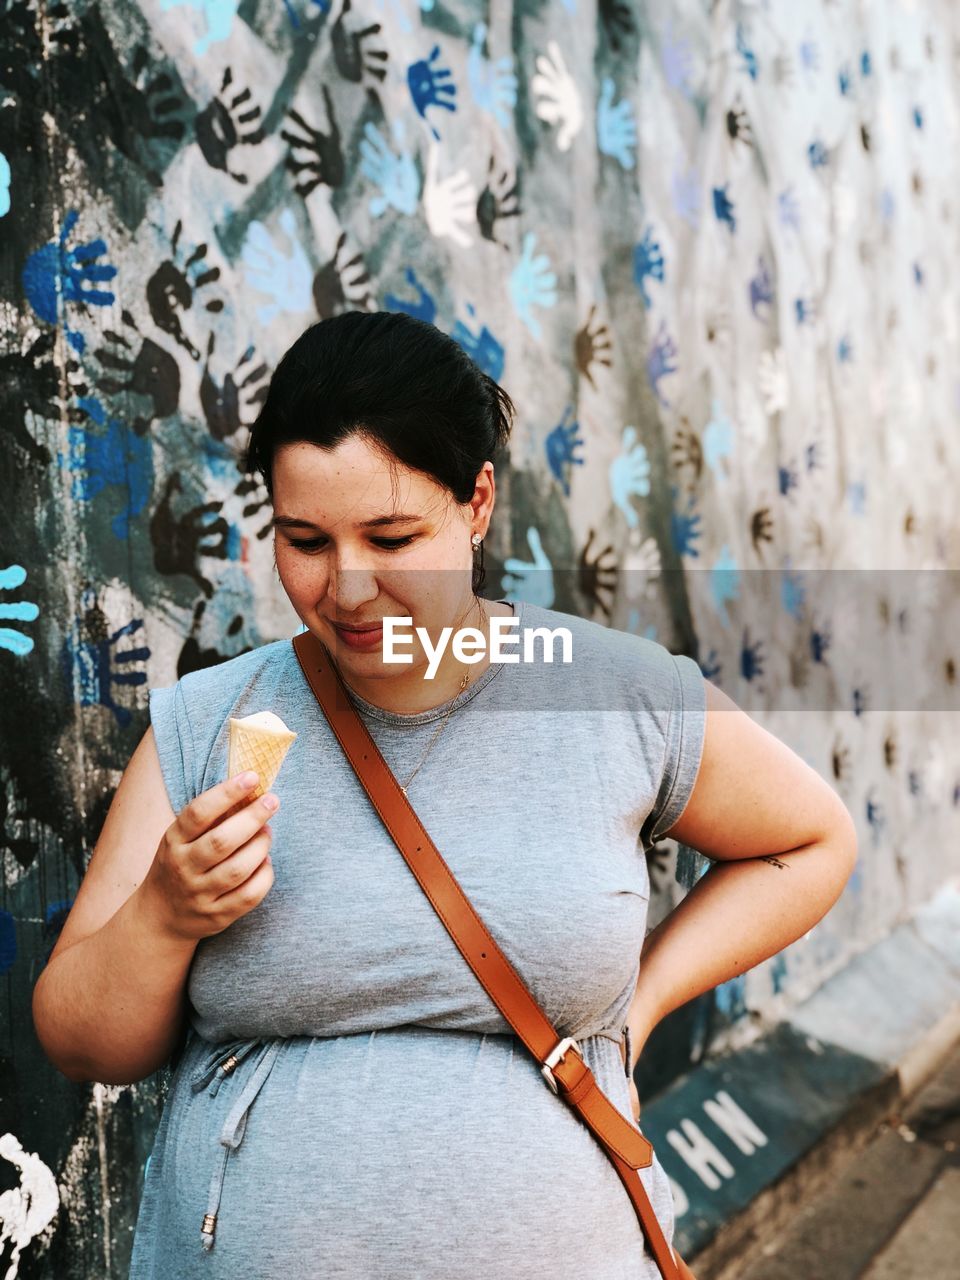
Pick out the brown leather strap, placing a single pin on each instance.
(625, 1146)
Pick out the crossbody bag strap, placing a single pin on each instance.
(560, 1060)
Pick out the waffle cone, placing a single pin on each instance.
(259, 747)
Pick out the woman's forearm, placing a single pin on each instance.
(111, 1007)
(736, 915)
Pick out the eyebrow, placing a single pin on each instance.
(290, 522)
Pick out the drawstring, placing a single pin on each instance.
(212, 1074)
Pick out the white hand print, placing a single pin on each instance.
(559, 100)
(772, 380)
(449, 203)
(27, 1209)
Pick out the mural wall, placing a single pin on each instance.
(710, 250)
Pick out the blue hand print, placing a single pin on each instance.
(818, 155)
(425, 309)
(4, 185)
(534, 577)
(17, 610)
(723, 207)
(857, 497)
(821, 639)
(685, 526)
(54, 275)
(427, 89)
(219, 16)
(685, 195)
(793, 593)
(120, 457)
(395, 175)
(492, 84)
(845, 350)
(616, 126)
(865, 64)
(482, 347)
(724, 582)
(647, 264)
(660, 361)
(787, 480)
(746, 53)
(676, 57)
(284, 277)
(629, 474)
(711, 667)
(809, 55)
(788, 210)
(717, 437)
(531, 284)
(561, 445)
(845, 80)
(876, 820)
(761, 289)
(93, 664)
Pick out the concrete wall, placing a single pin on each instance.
(712, 256)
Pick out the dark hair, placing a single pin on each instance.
(397, 380)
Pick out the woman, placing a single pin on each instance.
(348, 1101)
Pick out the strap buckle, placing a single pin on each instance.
(554, 1056)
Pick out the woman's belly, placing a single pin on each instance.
(408, 1153)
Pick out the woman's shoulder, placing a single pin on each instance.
(236, 672)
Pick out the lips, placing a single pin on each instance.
(362, 638)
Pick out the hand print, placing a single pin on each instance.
(284, 276)
(29, 1202)
(498, 199)
(761, 290)
(532, 284)
(788, 209)
(597, 575)
(773, 382)
(96, 461)
(428, 87)
(482, 347)
(29, 387)
(724, 582)
(448, 203)
(761, 529)
(840, 761)
(640, 567)
(647, 264)
(685, 195)
(723, 207)
(751, 658)
(492, 84)
(180, 541)
(426, 306)
(685, 526)
(256, 499)
(334, 290)
(55, 275)
(561, 445)
(534, 578)
(718, 437)
(876, 819)
(349, 54)
(660, 361)
(788, 479)
(592, 346)
(558, 99)
(321, 154)
(686, 451)
(793, 593)
(222, 126)
(222, 405)
(616, 19)
(819, 644)
(616, 126)
(747, 55)
(93, 663)
(738, 126)
(194, 658)
(152, 374)
(629, 475)
(676, 58)
(395, 175)
(16, 611)
(172, 288)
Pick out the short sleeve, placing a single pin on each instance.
(174, 738)
(686, 728)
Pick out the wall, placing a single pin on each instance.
(711, 255)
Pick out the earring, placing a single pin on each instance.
(475, 541)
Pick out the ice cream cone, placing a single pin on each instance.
(259, 742)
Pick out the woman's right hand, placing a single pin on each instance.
(210, 869)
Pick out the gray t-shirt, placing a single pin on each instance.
(383, 1120)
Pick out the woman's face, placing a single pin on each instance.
(338, 566)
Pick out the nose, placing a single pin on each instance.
(350, 586)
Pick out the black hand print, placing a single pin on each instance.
(193, 657)
(597, 575)
(171, 290)
(222, 406)
(497, 200)
(686, 451)
(592, 346)
(224, 125)
(840, 760)
(761, 529)
(29, 381)
(617, 20)
(738, 126)
(351, 58)
(890, 750)
(150, 372)
(252, 488)
(178, 541)
(321, 154)
(333, 290)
